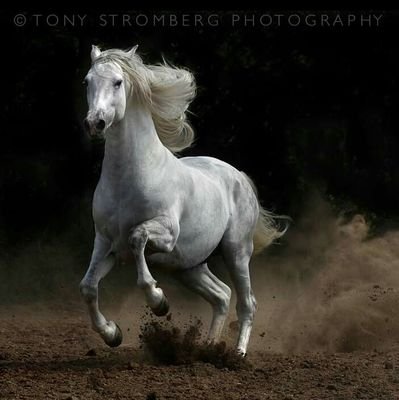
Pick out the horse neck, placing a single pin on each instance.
(133, 150)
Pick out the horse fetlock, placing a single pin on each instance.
(111, 333)
(162, 308)
(88, 292)
(156, 299)
(154, 296)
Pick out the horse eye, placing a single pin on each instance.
(85, 82)
(118, 83)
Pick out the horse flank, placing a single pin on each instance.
(165, 89)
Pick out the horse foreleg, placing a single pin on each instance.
(101, 263)
(160, 234)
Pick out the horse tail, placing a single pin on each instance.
(267, 229)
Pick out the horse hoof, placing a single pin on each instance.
(162, 309)
(117, 339)
(241, 353)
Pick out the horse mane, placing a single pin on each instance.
(165, 89)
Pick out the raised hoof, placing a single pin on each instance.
(162, 309)
(117, 339)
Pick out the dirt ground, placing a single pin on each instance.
(327, 326)
(54, 355)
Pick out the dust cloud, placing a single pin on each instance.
(333, 287)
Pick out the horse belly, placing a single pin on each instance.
(196, 242)
(192, 248)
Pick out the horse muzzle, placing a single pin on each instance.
(94, 127)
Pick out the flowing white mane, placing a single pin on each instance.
(166, 90)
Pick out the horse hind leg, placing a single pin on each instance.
(203, 282)
(237, 259)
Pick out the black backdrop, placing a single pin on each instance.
(297, 108)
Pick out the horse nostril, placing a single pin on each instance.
(86, 125)
(100, 125)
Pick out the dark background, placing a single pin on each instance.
(299, 109)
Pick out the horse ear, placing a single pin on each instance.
(132, 51)
(95, 52)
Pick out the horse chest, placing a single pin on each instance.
(114, 216)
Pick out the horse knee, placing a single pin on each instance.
(87, 291)
(155, 235)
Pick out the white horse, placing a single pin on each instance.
(165, 210)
